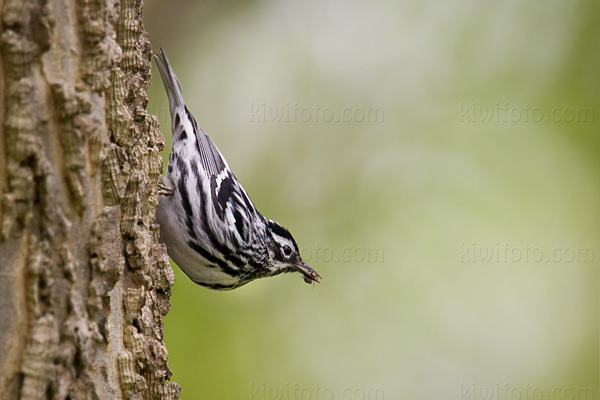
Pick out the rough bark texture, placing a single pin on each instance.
(84, 285)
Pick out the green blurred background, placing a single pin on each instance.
(438, 164)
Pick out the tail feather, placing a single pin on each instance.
(170, 81)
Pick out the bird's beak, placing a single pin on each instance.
(310, 275)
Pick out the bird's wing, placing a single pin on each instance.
(211, 159)
(229, 201)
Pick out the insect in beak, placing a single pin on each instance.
(310, 275)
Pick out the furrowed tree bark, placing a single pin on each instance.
(84, 284)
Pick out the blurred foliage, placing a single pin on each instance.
(488, 141)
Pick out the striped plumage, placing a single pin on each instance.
(210, 226)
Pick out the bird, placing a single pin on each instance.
(211, 228)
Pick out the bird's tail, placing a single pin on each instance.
(170, 81)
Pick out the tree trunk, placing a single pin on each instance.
(84, 284)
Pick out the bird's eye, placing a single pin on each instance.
(287, 250)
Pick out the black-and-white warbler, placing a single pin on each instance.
(210, 226)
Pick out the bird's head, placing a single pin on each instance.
(284, 255)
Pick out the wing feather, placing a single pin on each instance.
(211, 159)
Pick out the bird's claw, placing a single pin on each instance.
(164, 189)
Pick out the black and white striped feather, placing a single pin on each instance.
(210, 226)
